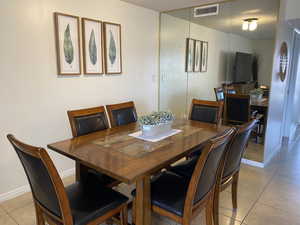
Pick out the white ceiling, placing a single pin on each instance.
(232, 14)
(166, 5)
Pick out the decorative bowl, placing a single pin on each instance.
(156, 130)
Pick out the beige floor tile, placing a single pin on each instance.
(2, 212)
(17, 202)
(263, 214)
(244, 205)
(25, 215)
(6, 220)
(254, 152)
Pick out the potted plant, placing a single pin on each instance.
(156, 123)
(256, 94)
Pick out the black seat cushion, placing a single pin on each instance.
(205, 114)
(90, 200)
(185, 168)
(168, 191)
(124, 116)
(90, 123)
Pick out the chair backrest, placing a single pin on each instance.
(121, 114)
(85, 121)
(209, 168)
(219, 92)
(206, 111)
(237, 148)
(237, 108)
(46, 185)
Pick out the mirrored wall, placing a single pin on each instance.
(229, 46)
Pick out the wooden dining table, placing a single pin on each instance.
(131, 160)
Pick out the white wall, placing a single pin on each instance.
(264, 50)
(177, 88)
(291, 9)
(34, 100)
(277, 102)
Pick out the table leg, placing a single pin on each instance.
(81, 171)
(143, 202)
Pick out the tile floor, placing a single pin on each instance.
(269, 196)
(255, 152)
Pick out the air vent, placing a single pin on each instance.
(209, 10)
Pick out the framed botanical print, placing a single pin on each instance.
(190, 45)
(67, 40)
(92, 46)
(112, 48)
(197, 61)
(204, 56)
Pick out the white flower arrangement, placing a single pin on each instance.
(157, 118)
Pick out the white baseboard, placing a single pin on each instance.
(26, 188)
(253, 163)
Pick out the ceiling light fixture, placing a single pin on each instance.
(250, 24)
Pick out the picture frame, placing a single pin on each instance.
(190, 45)
(197, 56)
(112, 48)
(67, 39)
(204, 56)
(92, 42)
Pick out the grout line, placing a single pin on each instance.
(259, 196)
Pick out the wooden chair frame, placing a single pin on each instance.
(237, 96)
(191, 210)
(233, 178)
(215, 104)
(111, 108)
(84, 112)
(43, 214)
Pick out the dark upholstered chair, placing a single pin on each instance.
(78, 204)
(206, 111)
(219, 92)
(232, 165)
(183, 198)
(86, 121)
(237, 108)
(121, 114)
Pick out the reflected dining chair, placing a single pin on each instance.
(183, 198)
(237, 108)
(121, 114)
(206, 111)
(78, 204)
(230, 174)
(83, 122)
(219, 92)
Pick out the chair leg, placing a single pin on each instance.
(39, 215)
(216, 207)
(234, 189)
(124, 216)
(209, 212)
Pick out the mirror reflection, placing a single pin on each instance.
(210, 53)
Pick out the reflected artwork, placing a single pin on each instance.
(189, 67)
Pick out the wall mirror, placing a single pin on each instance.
(233, 48)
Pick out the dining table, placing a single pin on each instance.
(133, 161)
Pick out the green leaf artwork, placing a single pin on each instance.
(93, 48)
(112, 49)
(68, 46)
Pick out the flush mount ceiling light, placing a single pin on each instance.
(250, 24)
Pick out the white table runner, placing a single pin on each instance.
(139, 135)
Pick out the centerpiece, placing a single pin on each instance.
(156, 123)
(256, 94)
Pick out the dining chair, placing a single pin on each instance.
(237, 108)
(236, 149)
(121, 114)
(183, 198)
(78, 204)
(83, 122)
(206, 111)
(219, 92)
